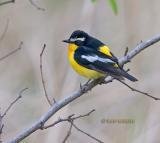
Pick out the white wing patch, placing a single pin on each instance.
(90, 58)
(96, 58)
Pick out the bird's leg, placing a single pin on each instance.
(83, 86)
(101, 80)
(88, 82)
(80, 86)
(127, 70)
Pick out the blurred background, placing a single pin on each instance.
(136, 20)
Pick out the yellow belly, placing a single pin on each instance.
(91, 74)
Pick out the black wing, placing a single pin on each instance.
(95, 60)
(100, 62)
(114, 58)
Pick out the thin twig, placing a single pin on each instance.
(75, 126)
(7, 2)
(68, 133)
(133, 89)
(69, 118)
(55, 123)
(12, 52)
(42, 77)
(1, 127)
(68, 99)
(126, 51)
(140, 47)
(2, 58)
(36, 6)
(13, 102)
(1, 131)
(5, 31)
(81, 116)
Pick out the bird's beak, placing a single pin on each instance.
(67, 41)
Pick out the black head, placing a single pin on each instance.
(78, 37)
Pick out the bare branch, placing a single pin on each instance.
(1, 127)
(12, 103)
(7, 2)
(81, 116)
(36, 6)
(87, 134)
(42, 77)
(126, 51)
(85, 88)
(141, 46)
(133, 89)
(12, 52)
(68, 133)
(72, 124)
(1, 130)
(7, 110)
(5, 31)
(69, 118)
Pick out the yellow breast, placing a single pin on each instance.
(91, 74)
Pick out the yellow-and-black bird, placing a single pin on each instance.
(92, 58)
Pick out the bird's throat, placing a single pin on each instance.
(71, 48)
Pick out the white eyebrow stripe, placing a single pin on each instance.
(81, 39)
(75, 39)
(96, 58)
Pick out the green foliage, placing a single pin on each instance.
(93, 0)
(113, 4)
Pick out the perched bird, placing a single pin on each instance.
(92, 58)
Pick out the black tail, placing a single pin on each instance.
(126, 75)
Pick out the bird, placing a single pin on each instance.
(93, 59)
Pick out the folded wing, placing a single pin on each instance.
(100, 62)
